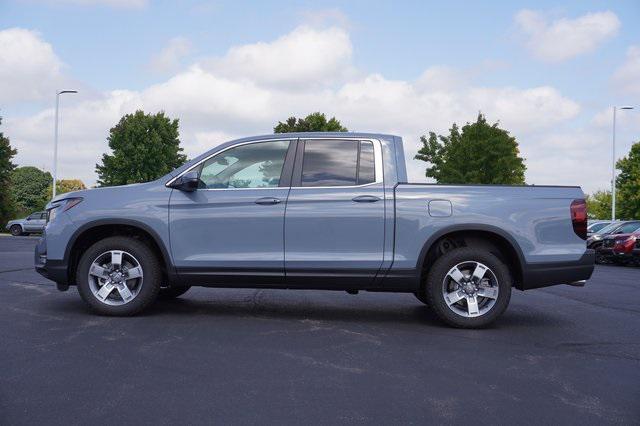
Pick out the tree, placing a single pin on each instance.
(66, 185)
(7, 153)
(145, 147)
(599, 205)
(316, 122)
(481, 153)
(30, 186)
(628, 184)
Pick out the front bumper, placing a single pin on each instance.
(536, 275)
(55, 270)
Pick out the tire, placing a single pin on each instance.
(421, 297)
(16, 230)
(169, 293)
(101, 259)
(489, 295)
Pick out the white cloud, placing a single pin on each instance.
(566, 38)
(627, 77)
(170, 58)
(29, 68)
(221, 100)
(306, 57)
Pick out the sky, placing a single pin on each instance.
(549, 72)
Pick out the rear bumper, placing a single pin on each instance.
(55, 270)
(536, 275)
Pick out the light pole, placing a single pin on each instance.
(55, 140)
(613, 163)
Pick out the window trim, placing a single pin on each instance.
(292, 171)
(296, 182)
(283, 175)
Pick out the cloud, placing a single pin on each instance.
(253, 87)
(565, 38)
(627, 77)
(321, 56)
(29, 68)
(170, 58)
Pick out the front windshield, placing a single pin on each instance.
(609, 228)
(628, 228)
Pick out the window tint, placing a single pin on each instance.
(366, 165)
(329, 163)
(34, 216)
(628, 228)
(256, 165)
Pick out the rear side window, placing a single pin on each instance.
(338, 163)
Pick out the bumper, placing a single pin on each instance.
(536, 275)
(611, 255)
(55, 270)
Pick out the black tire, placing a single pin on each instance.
(169, 293)
(16, 230)
(421, 297)
(439, 271)
(150, 284)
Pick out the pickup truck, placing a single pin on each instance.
(329, 211)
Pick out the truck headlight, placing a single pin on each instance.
(61, 206)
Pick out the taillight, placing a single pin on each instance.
(579, 217)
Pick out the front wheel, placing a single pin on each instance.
(16, 230)
(468, 287)
(118, 276)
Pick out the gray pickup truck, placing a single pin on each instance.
(327, 211)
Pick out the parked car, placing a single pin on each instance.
(596, 226)
(619, 248)
(327, 211)
(595, 240)
(35, 222)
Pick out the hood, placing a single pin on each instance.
(97, 192)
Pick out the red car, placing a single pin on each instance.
(620, 248)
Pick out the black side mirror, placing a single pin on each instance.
(188, 182)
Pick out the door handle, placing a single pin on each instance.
(366, 199)
(268, 201)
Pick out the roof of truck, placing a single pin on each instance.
(320, 135)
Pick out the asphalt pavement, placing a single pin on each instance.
(558, 355)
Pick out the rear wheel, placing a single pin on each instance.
(118, 276)
(468, 287)
(16, 230)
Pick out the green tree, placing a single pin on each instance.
(316, 122)
(30, 186)
(145, 147)
(599, 205)
(628, 184)
(66, 185)
(7, 153)
(480, 153)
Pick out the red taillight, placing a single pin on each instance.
(579, 217)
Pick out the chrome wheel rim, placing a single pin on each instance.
(470, 289)
(115, 277)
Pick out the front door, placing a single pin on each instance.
(230, 230)
(334, 224)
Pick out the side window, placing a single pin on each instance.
(366, 164)
(34, 216)
(255, 165)
(329, 163)
(43, 216)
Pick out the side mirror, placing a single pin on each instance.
(188, 182)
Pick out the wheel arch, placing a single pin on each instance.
(493, 238)
(94, 231)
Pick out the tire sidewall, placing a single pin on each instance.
(436, 275)
(150, 269)
(13, 232)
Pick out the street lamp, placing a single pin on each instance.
(55, 140)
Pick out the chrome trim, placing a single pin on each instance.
(377, 153)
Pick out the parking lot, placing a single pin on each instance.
(558, 355)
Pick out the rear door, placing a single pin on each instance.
(334, 222)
